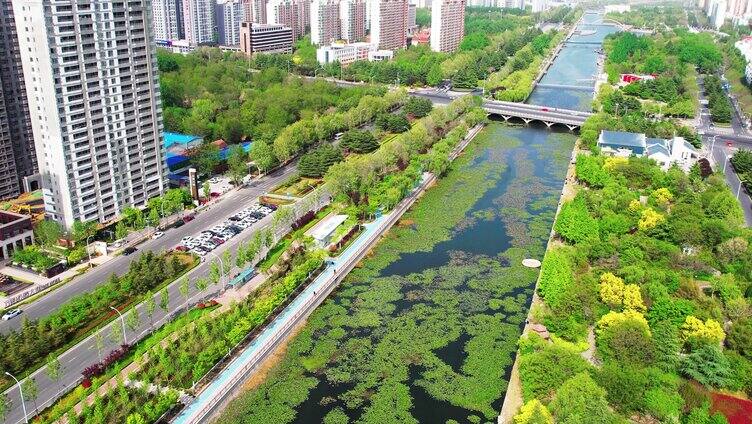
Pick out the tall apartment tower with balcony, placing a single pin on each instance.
(166, 22)
(447, 25)
(255, 11)
(229, 14)
(325, 22)
(293, 14)
(389, 24)
(18, 163)
(353, 20)
(90, 70)
(198, 21)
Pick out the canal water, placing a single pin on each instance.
(425, 330)
(576, 65)
(468, 284)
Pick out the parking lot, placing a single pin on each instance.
(208, 240)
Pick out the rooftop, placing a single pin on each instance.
(171, 138)
(326, 226)
(621, 138)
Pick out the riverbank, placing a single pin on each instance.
(513, 397)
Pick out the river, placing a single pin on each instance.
(425, 329)
(577, 65)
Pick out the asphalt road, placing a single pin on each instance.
(86, 352)
(229, 204)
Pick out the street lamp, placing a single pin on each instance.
(88, 253)
(20, 390)
(739, 189)
(122, 321)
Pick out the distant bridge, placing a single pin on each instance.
(570, 118)
(585, 43)
(566, 87)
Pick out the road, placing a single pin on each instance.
(229, 204)
(717, 143)
(86, 352)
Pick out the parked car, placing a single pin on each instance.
(157, 235)
(128, 250)
(11, 314)
(181, 248)
(188, 218)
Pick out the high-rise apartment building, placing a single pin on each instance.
(289, 13)
(165, 17)
(17, 157)
(325, 21)
(198, 21)
(265, 38)
(255, 11)
(389, 24)
(447, 25)
(412, 14)
(352, 15)
(90, 70)
(228, 15)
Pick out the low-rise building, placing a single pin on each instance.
(323, 232)
(380, 55)
(745, 48)
(16, 232)
(265, 38)
(676, 151)
(344, 53)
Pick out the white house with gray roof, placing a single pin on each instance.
(665, 152)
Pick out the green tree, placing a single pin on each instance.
(581, 400)
(121, 231)
(133, 320)
(533, 412)
(47, 232)
(707, 365)
(164, 300)
(435, 75)
(315, 163)
(184, 288)
(206, 188)
(83, 230)
(117, 335)
(262, 154)
(206, 158)
(135, 418)
(418, 107)
(54, 369)
(5, 406)
(359, 141)
(740, 337)
(31, 391)
(151, 306)
(237, 164)
(99, 344)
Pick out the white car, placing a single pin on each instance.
(11, 314)
(186, 239)
(157, 235)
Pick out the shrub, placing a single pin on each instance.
(575, 224)
(556, 276)
(707, 365)
(624, 336)
(740, 337)
(543, 371)
(533, 412)
(694, 331)
(589, 169)
(663, 405)
(581, 397)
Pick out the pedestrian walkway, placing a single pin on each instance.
(277, 329)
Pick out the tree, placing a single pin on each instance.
(135, 418)
(581, 400)
(214, 272)
(201, 284)
(206, 158)
(30, 391)
(99, 344)
(575, 224)
(117, 335)
(164, 300)
(151, 306)
(5, 406)
(184, 288)
(533, 412)
(395, 123)
(54, 369)
(206, 189)
(121, 231)
(624, 336)
(315, 163)
(133, 320)
(48, 232)
(359, 141)
(262, 154)
(740, 337)
(153, 217)
(237, 163)
(83, 230)
(707, 365)
(418, 107)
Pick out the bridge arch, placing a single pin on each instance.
(526, 121)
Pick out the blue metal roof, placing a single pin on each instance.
(171, 138)
(621, 138)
